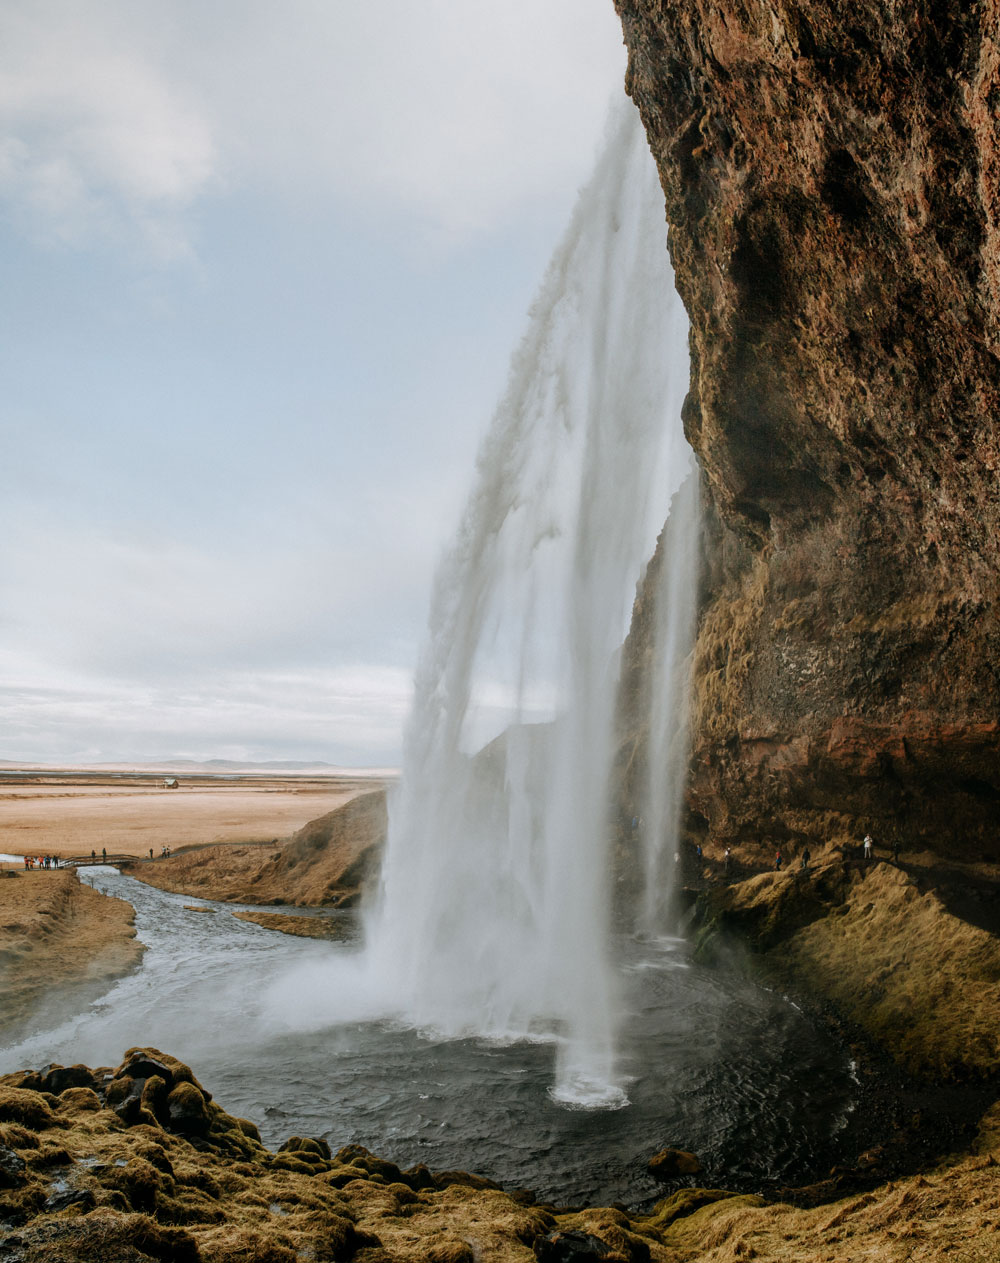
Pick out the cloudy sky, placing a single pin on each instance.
(263, 268)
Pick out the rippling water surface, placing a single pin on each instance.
(733, 1072)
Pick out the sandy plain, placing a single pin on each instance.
(73, 812)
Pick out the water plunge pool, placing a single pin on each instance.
(713, 1064)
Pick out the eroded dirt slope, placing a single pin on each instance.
(60, 941)
(326, 862)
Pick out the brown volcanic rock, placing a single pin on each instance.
(669, 1163)
(830, 171)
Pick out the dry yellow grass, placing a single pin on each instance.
(325, 862)
(950, 1213)
(222, 871)
(883, 950)
(924, 983)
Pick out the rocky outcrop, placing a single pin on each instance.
(831, 180)
(878, 945)
(330, 859)
(299, 925)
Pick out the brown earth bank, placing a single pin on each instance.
(325, 863)
(61, 943)
(75, 812)
(139, 1163)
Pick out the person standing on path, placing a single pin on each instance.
(868, 848)
(104, 854)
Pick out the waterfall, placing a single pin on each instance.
(674, 590)
(492, 919)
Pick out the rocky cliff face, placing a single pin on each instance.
(831, 175)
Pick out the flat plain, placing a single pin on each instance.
(71, 812)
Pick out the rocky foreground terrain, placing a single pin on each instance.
(138, 1162)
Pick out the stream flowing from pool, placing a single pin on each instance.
(731, 1071)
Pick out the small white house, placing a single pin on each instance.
(171, 782)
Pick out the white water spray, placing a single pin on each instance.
(492, 918)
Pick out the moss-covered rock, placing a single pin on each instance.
(31, 1109)
(668, 1164)
(187, 1110)
(86, 1183)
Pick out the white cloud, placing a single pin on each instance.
(102, 601)
(456, 115)
(173, 591)
(98, 135)
(351, 714)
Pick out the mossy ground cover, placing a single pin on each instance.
(881, 946)
(325, 928)
(924, 983)
(139, 1163)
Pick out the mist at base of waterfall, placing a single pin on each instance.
(493, 913)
